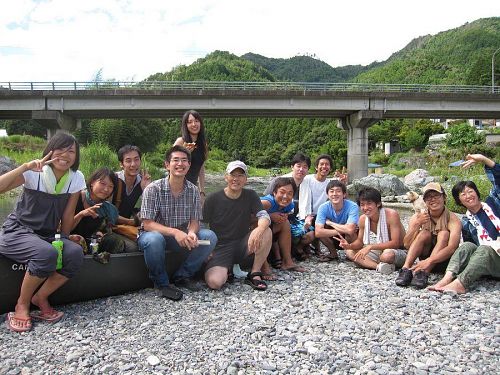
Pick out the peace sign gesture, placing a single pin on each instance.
(37, 164)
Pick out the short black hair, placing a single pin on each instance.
(61, 141)
(284, 181)
(369, 194)
(301, 158)
(324, 156)
(100, 174)
(336, 183)
(177, 148)
(459, 187)
(126, 149)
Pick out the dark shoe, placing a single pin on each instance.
(188, 284)
(171, 292)
(404, 277)
(420, 279)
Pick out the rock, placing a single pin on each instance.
(153, 360)
(417, 179)
(387, 184)
(6, 164)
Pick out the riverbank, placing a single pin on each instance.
(335, 318)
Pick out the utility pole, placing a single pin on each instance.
(493, 71)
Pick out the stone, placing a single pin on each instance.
(387, 184)
(153, 360)
(6, 164)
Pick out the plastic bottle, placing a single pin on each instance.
(94, 245)
(58, 244)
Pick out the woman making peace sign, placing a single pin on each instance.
(47, 202)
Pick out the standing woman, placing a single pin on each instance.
(48, 200)
(193, 138)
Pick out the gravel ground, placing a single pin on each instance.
(336, 318)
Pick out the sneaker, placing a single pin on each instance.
(386, 268)
(171, 292)
(404, 277)
(420, 279)
(187, 283)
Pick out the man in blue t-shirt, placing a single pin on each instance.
(338, 217)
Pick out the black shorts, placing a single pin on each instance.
(231, 252)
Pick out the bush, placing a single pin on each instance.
(97, 155)
(463, 135)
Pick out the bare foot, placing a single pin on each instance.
(455, 286)
(439, 286)
(42, 304)
(293, 267)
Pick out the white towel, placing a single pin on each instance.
(382, 230)
(50, 181)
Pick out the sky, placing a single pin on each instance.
(128, 40)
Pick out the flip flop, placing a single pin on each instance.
(10, 320)
(295, 268)
(50, 316)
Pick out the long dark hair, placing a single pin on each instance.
(201, 142)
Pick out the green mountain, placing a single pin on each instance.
(306, 69)
(457, 56)
(216, 66)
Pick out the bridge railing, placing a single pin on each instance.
(253, 86)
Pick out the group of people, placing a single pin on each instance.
(232, 227)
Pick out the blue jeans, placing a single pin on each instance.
(154, 246)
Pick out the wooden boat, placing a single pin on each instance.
(123, 274)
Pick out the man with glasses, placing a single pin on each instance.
(171, 214)
(432, 236)
(230, 213)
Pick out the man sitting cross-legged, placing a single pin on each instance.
(380, 237)
(337, 216)
(171, 214)
(229, 212)
(432, 237)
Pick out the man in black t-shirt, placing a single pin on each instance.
(131, 183)
(229, 212)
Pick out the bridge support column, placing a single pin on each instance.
(54, 121)
(357, 126)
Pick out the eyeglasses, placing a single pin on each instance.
(429, 197)
(179, 160)
(237, 175)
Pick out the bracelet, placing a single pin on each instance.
(202, 192)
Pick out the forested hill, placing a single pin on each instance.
(457, 56)
(306, 69)
(216, 66)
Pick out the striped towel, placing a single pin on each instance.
(382, 232)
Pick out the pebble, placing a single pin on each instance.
(335, 318)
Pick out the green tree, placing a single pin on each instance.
(463, 135)
(28, 127)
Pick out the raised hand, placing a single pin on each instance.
(37, 164)
(342, 241)
(145, 178)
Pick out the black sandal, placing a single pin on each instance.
(257, 284)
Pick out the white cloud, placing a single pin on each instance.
(72, 40)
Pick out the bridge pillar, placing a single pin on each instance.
(357, 126)
(54, 121)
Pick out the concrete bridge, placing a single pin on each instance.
(357, 106)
